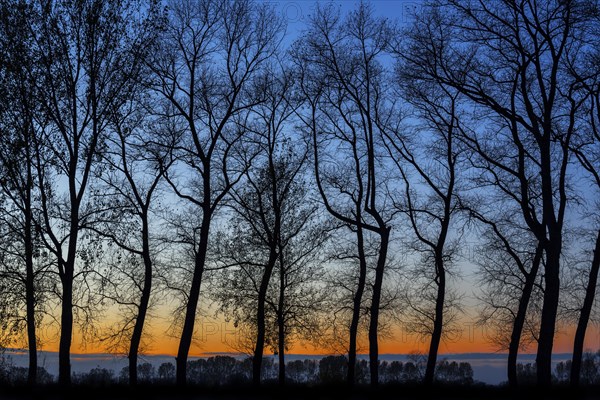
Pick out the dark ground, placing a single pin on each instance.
(312, 393)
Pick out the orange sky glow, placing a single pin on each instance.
(217, 336)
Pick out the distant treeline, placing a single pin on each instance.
(227, 370)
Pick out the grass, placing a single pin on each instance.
(323, 392)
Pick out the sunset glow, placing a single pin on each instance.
(251, 192)
(216, 337)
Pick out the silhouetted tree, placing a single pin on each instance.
(414, 368)
(95, 377)
(125, 199)
(12, 375)
(526, 374)
(302, 371)
(510, 259)
(563, 371)
(342, 77)
(275, 195)
(586, 147)
(147, 372)
(166, 372)
(451, 372)
(220, 370)
(509, 59)
(391, 372)
(21, 262)
(432, 153)
(332, 369)
(210, 54)
(275, 235)
(590, 368)
(82, 58)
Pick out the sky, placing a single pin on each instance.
(297, 13)
(214, 335)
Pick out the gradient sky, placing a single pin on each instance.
(213, 335)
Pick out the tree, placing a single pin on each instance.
(84, 53)
(509, 60)
(211, 52)
(219, 370)
(454, 373)
(302, 371)
(21, 264)
(343, 80)
(125, 198)
(433, 156)
(587, 150)
(332, 369)
(147, 372)
(166, 372)
(510, 259)
(96, 377)
(275, 232)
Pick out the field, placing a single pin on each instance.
(55, 392)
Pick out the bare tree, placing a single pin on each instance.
(508, 58)
(128, 197)
(211, 52)
(124, 196)
(274, 232)
(291, 299)
(274, 206)
(344, 82)
(510, 260)
(433, 156)
(21, 264)
(586, 147)
(298, 303)
(84, 56)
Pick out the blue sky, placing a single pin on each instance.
(297, 12)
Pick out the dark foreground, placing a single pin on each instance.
(55, 392)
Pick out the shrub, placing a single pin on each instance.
(333, 369)
(166, 372)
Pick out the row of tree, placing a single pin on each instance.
(227, 370)
(317, 190)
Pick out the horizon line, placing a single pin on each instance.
(233, 353)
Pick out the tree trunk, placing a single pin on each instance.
(66, 329)
(357, 301)
(190, 311)
(30, 285)
(31, 335)
(375, 305)
(67, 277)
(519, 323)
(30, 299)
(438, 322)
(550, 234)
(67, 272)
(136, 336)
(584, 317)
(281, 319)
(549, 311)
(260, 318)
(281, 352)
